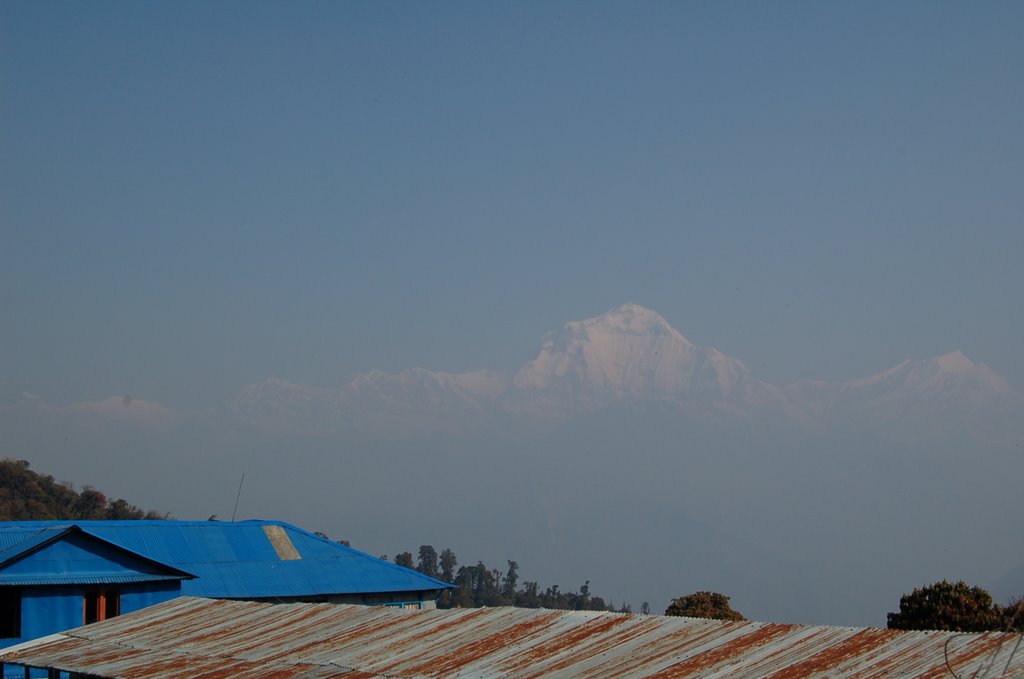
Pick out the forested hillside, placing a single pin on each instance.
(26, 495)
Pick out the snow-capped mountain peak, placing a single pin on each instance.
(629, 351)
(629, 319)
(954, 362)
(956, 369)
(127, 411)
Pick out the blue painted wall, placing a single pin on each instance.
(45, 610)
(134, 597)
(50, 608)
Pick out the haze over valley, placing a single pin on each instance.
(622, 453)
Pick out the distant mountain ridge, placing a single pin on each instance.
(627, 356)
(935, 392)
(621, 448)
(632, 355)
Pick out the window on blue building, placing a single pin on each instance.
(10, 613)
(101, 604)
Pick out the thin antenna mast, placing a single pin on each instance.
(240, 482)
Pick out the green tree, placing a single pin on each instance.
(120, 509)
(529, 595)
(404, 559)
(479, 585)
(28, 496)
(583, 602)
(1013, 615)
(428, 562)
(953, 607)
(490, 588)
(448, 564)
(704, 605)
(325, 536)
(508, 589)
(91, 504)
(465, 588)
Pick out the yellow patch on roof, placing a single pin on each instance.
(278, 537)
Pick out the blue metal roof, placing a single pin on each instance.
(31, 542)
(113, 579)
(72, 556)
(238, 559)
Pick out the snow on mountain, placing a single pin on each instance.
(953, 370)
(629, 351)
(126, 410)
(934, 393)
(480, 382)
(30, 403)
(421, 401)
(917, 379)
(117, 413)
(426, 388)
(629, 356)
(632, 353)
(279, 405)
(417, 399)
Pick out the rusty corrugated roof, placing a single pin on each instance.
(217, 638)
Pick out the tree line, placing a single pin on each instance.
(956, 607)
(945, 606)
(26, 495)
(477, 585)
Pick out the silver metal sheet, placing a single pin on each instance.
(214, 638)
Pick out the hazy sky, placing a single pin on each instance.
(197, 196)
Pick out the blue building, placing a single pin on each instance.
(56, 575)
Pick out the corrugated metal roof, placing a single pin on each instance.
(205, 638)
(111, 579)
(33, 540)
(237, 559)
(16, 569)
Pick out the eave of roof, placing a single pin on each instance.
(113, 579)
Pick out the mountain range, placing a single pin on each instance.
(622, 451)
(629, 356)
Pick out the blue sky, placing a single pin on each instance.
(195, 196)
